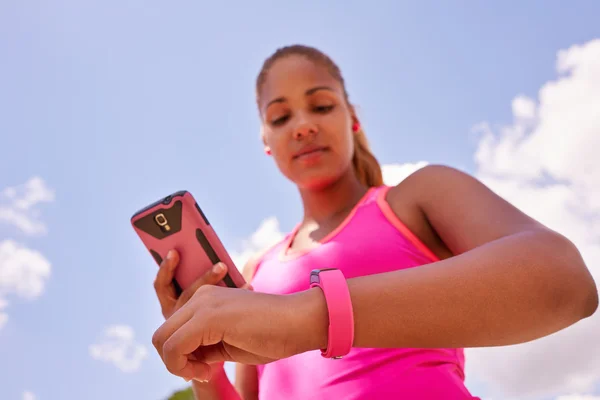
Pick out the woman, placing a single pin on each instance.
(433, 265)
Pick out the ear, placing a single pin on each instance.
(354, 118)
(355, 124)
(266, 147)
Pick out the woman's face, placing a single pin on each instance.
(307, 123)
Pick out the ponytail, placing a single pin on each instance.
(365, 164)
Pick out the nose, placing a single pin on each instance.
(304, 128)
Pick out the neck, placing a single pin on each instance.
(326, 203)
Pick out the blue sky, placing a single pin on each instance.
(115, 104)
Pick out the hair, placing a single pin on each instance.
(366, 166)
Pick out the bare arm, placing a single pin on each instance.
(219, 388)
(246, 378)
(246, 381)
(512, 279)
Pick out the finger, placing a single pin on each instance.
(215, 353)
(193, 369)
(248, 286)
(163, 283)
(164, 332)
(180, 345)
(188, 367)
(210, 277)
(220, 353)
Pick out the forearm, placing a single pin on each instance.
(218, 388)
(509, 291)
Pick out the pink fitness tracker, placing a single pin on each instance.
(339, 305)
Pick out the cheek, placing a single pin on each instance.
(338, 127)
(279, 150)
(343, 141)
(347, 152)
(277, 144)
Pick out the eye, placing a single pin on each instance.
(324, 109)
(280, 121)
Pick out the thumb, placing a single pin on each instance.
(197, 370)
(248, 287)
(214, 353)
(210, 277)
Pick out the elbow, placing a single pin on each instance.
(591, 305)
(575, 294)
(590, 301)
(585, 302)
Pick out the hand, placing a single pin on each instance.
(165, 290)
(167, 294)
(222, 324)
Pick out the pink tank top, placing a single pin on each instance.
(371, 240)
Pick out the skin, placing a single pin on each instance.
(532, 281)
(170, 303)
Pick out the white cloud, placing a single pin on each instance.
(17, 205)
(118, 346)
(578, 397)
(546, 163)
(28, 396)
(393, 174)
(266, 235)
(524, 108)
(23, 272)
(3, 315)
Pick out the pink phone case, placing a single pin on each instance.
(177, 222)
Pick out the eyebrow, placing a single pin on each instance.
(307, 93)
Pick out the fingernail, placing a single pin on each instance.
(218, 268)
(170, 254)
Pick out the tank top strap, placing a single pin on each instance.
(375, 193)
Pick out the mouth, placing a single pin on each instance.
(309, 150)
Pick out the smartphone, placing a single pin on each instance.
(177, 222)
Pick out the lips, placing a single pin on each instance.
(309, 150)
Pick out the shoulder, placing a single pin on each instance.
(443, 205)
(432, 177)
(435, 184)
(459, 208)
(406, 200)
(410, 190)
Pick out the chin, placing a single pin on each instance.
(317, 181)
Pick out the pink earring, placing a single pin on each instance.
(268, 151)
(355, 127)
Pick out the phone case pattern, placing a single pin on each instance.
(177, 222)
